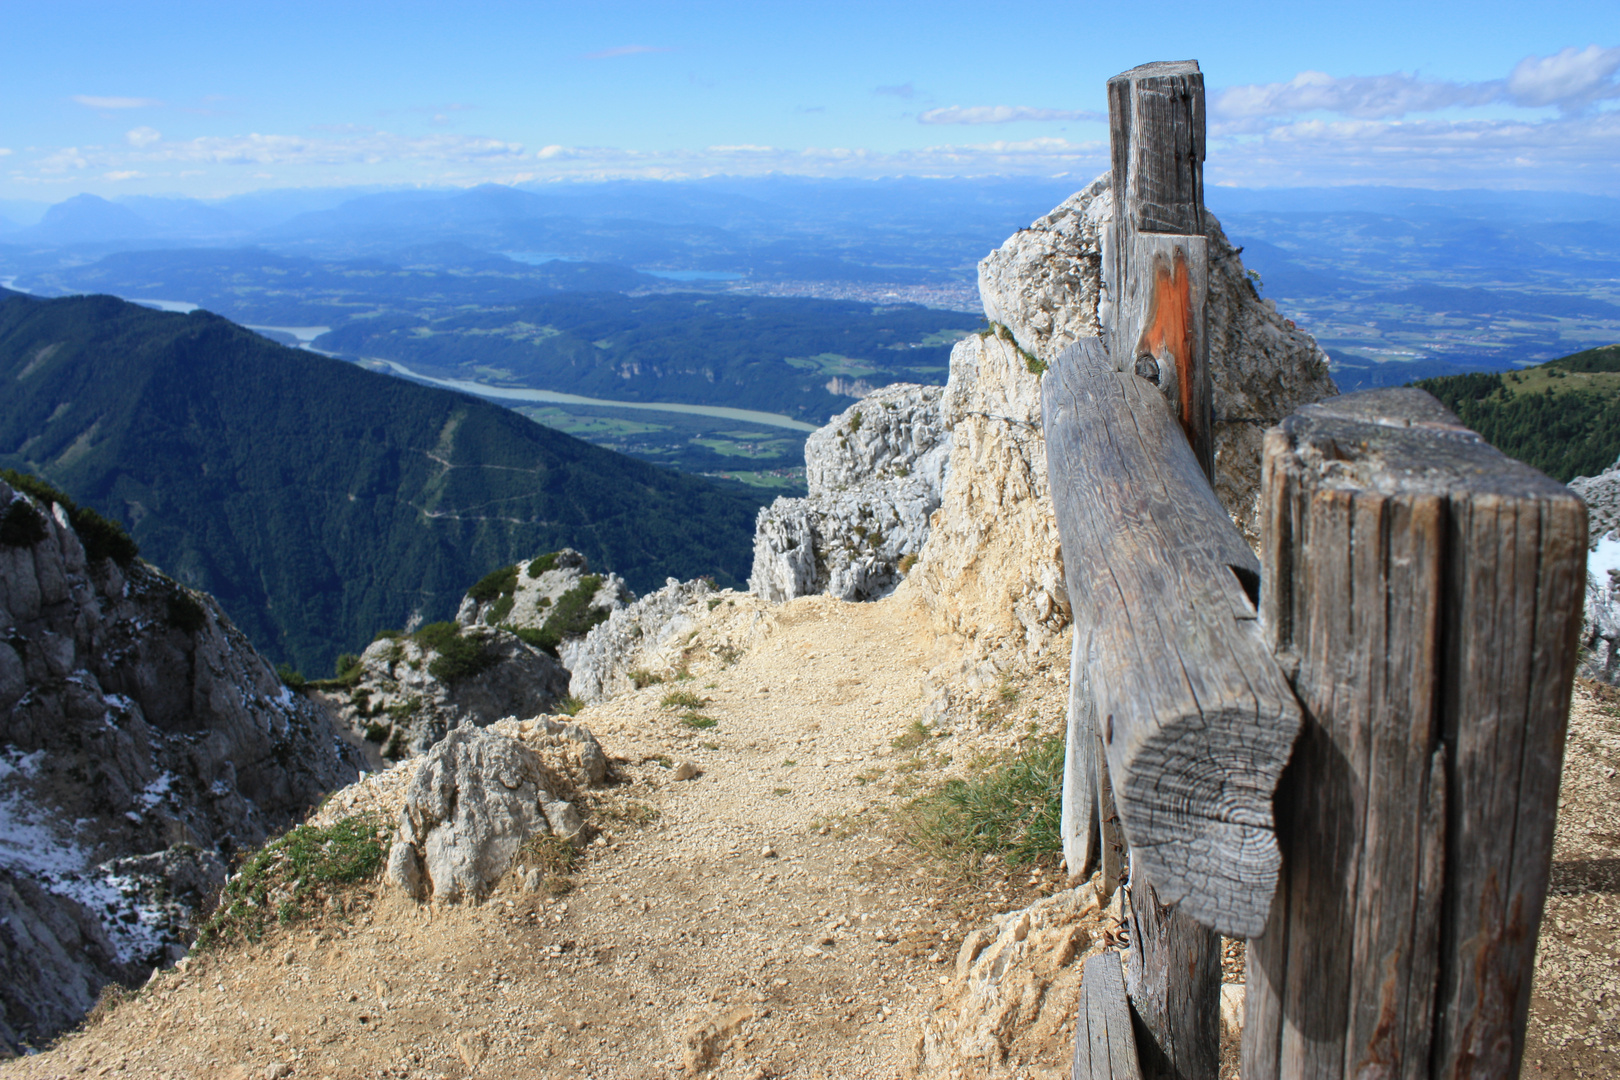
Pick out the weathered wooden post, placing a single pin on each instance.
(1156, 266)
(1196, 720)
(1428, 590)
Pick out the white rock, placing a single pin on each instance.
(601, 662)
(473, 802)
(875, 475)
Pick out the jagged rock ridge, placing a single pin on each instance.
(142, 742)
(1600, 633)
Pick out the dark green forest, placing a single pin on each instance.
(320, 502)
(1563, 416)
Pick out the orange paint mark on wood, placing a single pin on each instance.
(1169, 331)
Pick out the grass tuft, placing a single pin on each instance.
(293, 876)
(1010, 810)
(683, 699)
(698, 721)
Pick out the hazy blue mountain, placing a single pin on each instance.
(89, 218)
(320, 502)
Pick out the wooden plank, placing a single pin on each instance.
(1426, 590)
(1155, 264)
(1173, 978)
(1104, 1042)
(1079, 824)
(1196, 718)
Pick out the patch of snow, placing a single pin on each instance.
(29, 846)
(158, 790)
(1603, 558)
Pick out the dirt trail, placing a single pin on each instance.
(763, 925)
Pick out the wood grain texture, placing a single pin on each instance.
(1196, 718)
(1081, 800)
(1426, 590)
(1155, 265)
(1156, 143)
(1173, 978)
(1104, 1042)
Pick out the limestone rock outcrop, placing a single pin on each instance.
(1602, 496)
(477, 799)
(508, 653)
(533, 593)
(875, 475)
(408, 690)
(143, 742)
(604, 661)
(1016, 987)
(1600, 631)
(1045, 284)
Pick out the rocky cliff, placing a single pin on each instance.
(1045, 285)
(950, 492)
(143, 742)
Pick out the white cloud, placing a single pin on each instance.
(1571, 79)
(4, 150)
(626, 50)
(123, 174)
(369, 148)
(1571, 153)
(93, 102)
(142, 136)
(1001, 114)
(1371, 97)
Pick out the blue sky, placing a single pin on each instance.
(210, 99)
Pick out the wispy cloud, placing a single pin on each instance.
(90, 101)
(1001, 114)
(1374, 130)
(143, 136)
(905, 91)
(1572, 80)
(626, 50)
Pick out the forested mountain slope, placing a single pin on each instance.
(320, 502)
(1563, 416)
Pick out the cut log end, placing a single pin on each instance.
(1200, 823)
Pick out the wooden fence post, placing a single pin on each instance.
(1196, 720)
(1428, 590)
(1156, 268)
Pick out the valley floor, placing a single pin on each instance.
(759, 920)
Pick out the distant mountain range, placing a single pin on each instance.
(320, 502)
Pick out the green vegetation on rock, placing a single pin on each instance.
(571, 617)
(102, 539)
(293, 877)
